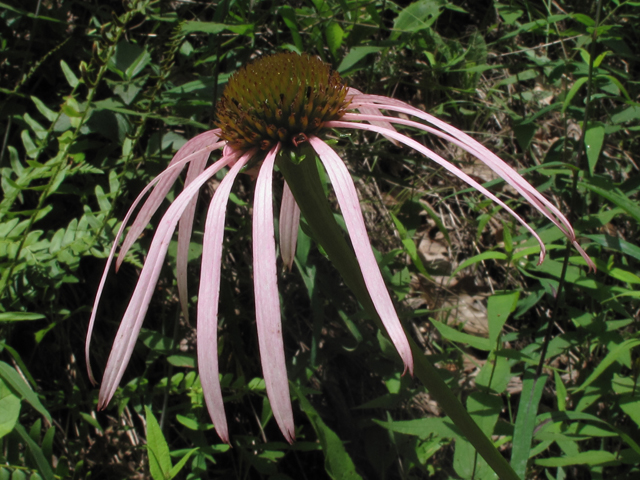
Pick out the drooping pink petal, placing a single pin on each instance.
(196, 167)
(444, 163)
(162, 177)
(132, 320)
(478, 150)
(265, 279)
(350, 207)
(288, 226)
(208, 297)
(198, 147)
(372, 110)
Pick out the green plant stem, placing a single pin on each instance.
(306, 186)
(574, 192)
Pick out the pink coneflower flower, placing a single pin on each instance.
(270, 108)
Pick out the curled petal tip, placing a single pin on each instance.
(407, 359)
(587, 258)
(289, 435)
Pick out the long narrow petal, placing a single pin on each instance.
(481, 152)
(168, 173)
(196, 167)
(208, 297)
(477, 149)
(288, 226)
(444, 163)
(380, 120)
(507, 173)
(132, 320)
(265, 281)
(350, 206)
(199, 146)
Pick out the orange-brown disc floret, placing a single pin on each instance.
(280, 98)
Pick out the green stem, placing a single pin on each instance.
(306, 186)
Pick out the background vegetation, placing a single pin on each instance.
(97, 96)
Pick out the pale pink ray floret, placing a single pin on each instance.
(196, 153)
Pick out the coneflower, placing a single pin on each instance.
(271, 108)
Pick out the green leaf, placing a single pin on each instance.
(600, 58)
(129, 59)
(616, 244)
(103, 201)
(410, 246)
(44, 469)
(181, 463)
(44, 110)
(532, 389)
(26, 13)
(627, 115)
(584, 19)
(214, 28)
(479, 258)
(72, 80)
(15, 381)
(586, 417)
(337, 461)
(334, 35)
(417, 16)
(423, 427)
(593, 141)
(611, 357)
(524, 132)
(495, 374)
(460, 337)
(484, 408)
(590, 457)
(572, 93)
(29, 146)
(355, 55)
(436, 218)
(614, 196)
(138, 64)
(617, 84)
(499, 307)
(183, 361)
(91, 421)
(47, 442)
(20, 316)
(288, 15)
(627, 390)
(561, 391)
(509, 13)
(9, 409)
(159, 457)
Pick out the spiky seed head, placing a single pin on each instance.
(280, 98)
